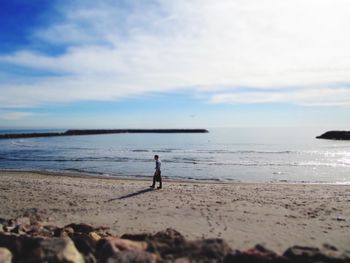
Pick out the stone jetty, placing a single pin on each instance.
(335, 135)
(97, 132)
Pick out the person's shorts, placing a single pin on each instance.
(157, 175)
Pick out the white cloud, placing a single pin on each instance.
(16, 115)
(116, 52)
(308, 97)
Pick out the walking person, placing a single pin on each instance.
(157, 177)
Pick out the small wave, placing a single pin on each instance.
(162, 151)
(183, 160)
(323, 164)
(85, 171)
(141, 151)
(248, 152)
(345, 161)
(245, 152)
(330, 153)
(22, 143)
(278, 173)
(77, 148)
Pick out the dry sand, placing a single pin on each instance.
(244, 214)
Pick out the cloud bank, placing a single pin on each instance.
(292, 51)
(10, 116)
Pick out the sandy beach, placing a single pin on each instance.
(244, 214)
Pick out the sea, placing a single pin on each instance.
(224, 154)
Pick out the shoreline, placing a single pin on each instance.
(168, 179)
(277, 215)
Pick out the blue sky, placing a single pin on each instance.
(162, 63)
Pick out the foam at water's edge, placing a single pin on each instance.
(85, 173)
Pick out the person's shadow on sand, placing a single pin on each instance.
(143, 191)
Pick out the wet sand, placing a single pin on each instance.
(244, 214)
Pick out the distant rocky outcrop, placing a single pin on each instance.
(335, 135)
(31, 238)
(97, 132)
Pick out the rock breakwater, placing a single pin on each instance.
(97, 132)
(335, 135)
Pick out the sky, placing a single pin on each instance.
(174, 64)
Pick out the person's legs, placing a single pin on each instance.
(154, 181)
(160, 182)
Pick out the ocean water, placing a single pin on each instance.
(240, 154)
